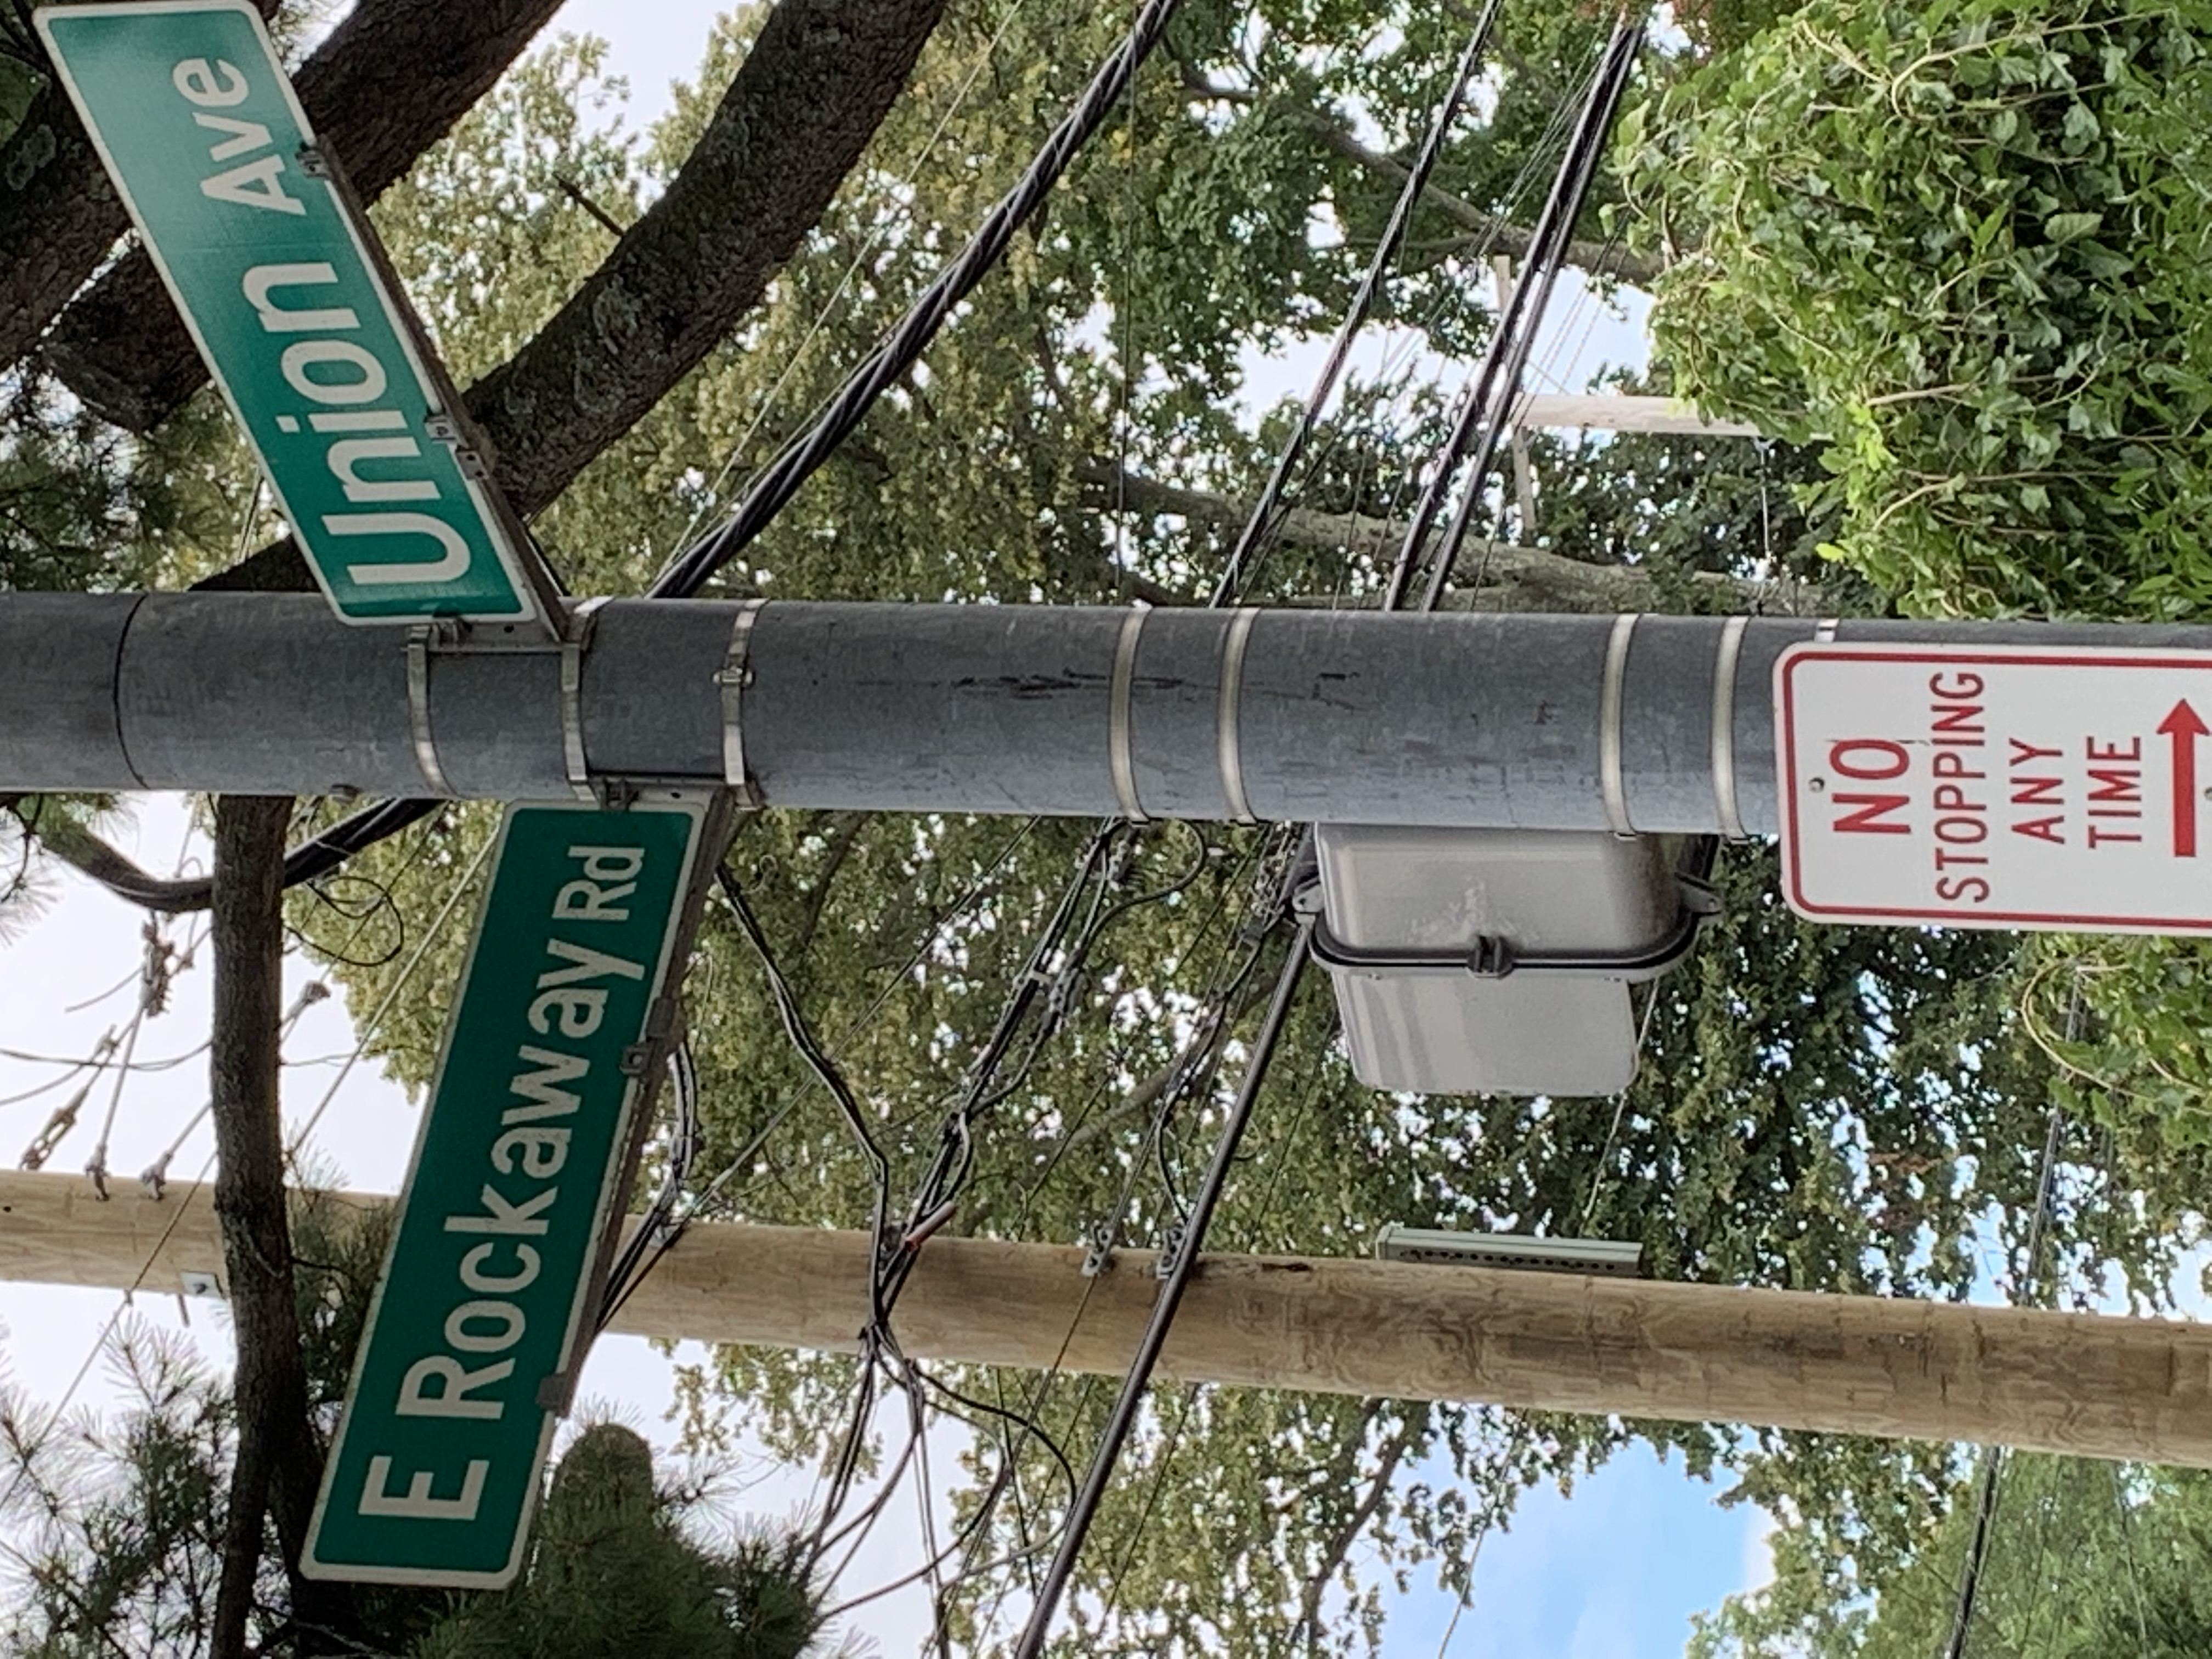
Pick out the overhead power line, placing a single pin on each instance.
(1184, 1262)
(1993, 1461)
(781, 479)
(1263, 519)
(1488, 406)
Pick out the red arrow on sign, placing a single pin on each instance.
(2184, 728)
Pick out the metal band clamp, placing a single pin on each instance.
(1118, 758)
(418, 707)
(1491, 957)
(1723, 739)
(576, 640)
(1234, 644)
(736, 674)
(1610, 781)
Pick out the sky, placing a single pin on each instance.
(1614, 1572)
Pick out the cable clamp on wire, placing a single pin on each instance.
(1098, 1254)
(419, 641)
(1171, 1248)
(735, 676)
(1228, 737)
(575, 641)
(1725, 801)
(1119, 757)
(1608, 725)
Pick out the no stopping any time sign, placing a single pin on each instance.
(1997, 787)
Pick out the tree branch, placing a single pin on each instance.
(1603, 258)
(1519, 578)
(1340, 1547)
(811, 92)
(278, 1464)
(391, 80)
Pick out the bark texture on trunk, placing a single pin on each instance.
(278, 1463)
(810, 95)
(391, 80)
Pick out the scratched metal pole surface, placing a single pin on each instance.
(1652, 723)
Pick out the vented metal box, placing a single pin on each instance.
(1529, 1032)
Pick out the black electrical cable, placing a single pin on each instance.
(1507, 357)
(1262, 521)
(1184, 1262)
(1535, 292)
(1484, 408)
(781, 479)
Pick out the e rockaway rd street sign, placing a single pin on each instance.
(279, 281)
(2003, 786)
(524, 1149)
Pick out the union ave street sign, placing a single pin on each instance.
(279, 284)
(1996, 786)
(524, 1150)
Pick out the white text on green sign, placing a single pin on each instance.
(208, 148)
(469, 1346)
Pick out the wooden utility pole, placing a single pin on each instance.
(2079, 1384)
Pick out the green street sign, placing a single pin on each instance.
(285, 292)
(523, 1155)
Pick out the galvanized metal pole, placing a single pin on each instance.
(1478, 720)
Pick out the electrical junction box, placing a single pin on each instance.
(1474, 900)
(1599, 1257)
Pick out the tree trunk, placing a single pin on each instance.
(57, 216)
(278, 1464)
(809, 97)
(391, 80)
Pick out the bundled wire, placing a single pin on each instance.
(892, 1259)
(1487, 407)
(1502, 366)
(798, 461)
(1264, 520)
(1181, 1264)
(656, 1230)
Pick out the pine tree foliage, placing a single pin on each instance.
(115, 1522)
(612, 1570)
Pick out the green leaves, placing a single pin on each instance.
(1970, 245)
